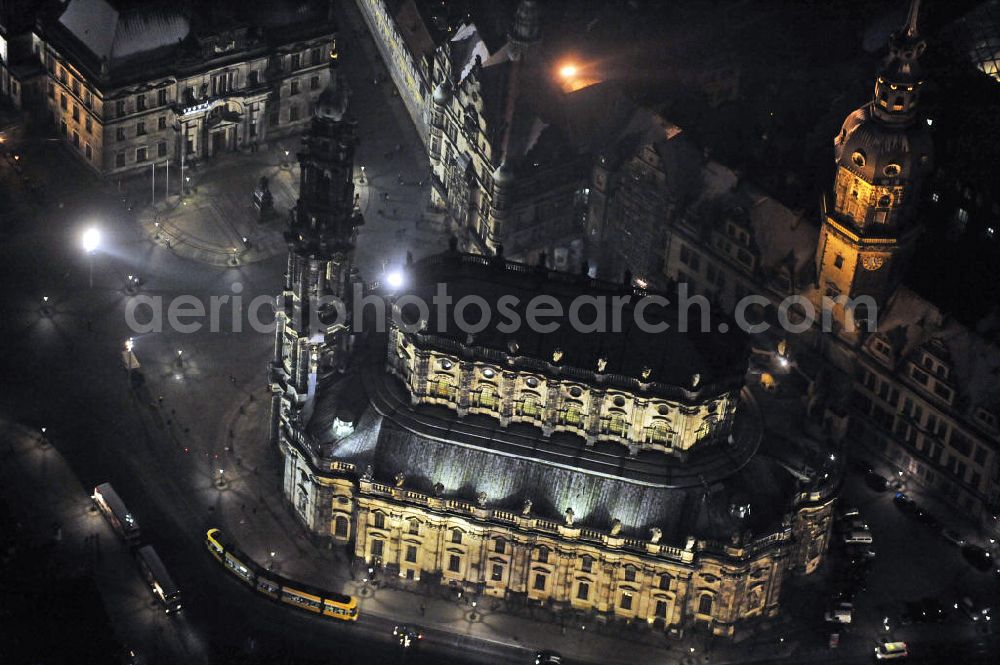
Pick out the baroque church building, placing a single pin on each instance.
(626, 474)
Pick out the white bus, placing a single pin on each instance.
(123, 522)
(158, 578)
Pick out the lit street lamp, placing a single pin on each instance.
(91, 241)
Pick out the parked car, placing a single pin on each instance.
(974, 610)
(858, 537)
(860, 552)
(876, 482)
(547, 658)
(840, 613)
(904, 503)
(978, 557)
(952, 537)
(854, 524)
(891, 650)
(847, 512)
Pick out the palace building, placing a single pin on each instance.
(622, 473)
(130, 84)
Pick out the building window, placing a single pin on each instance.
(120, 134)
(63, 128)
(314, 83)
(89, 125)
(161, 122)
(161, 97)
(293, 113)
(314, 56)
(296, 61)
(120, 160)
(414, 528)
(62, 100)
(539, 584)
(456, 536)
(294, 87)
(454, 563)
(499, 546)
(377, 548)
(379, 521)
(496, 572)
(76, 139)
(543, 555)
(76, 113)
(88, 99)
(120, 107)
(411, 554)
(340, 526)
(140, 128)
(626, 603)
(140, 154)
(161, 149)
(583, 591)
(587, 564)
(705, 604)
(838, 262)
(664, 583)
(140, 103)
(630, 572)
(88, 151)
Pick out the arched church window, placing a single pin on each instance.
(340, 526)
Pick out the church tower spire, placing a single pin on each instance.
(883, 154)
(321, 237)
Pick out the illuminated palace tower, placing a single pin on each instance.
(883, 153)
(321, 236)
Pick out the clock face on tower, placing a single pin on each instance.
(872, 262)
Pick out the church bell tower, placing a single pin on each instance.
(883, 154)
(309, 342)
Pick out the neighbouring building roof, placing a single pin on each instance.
(909, 322)
(978, 35)
(112, 34)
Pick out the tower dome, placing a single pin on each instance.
(883, 154)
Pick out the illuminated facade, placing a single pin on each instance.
(617, 473)
(175, 84)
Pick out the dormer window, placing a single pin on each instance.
(882, 348)
(986, 418)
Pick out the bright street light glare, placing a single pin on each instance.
(567, 71)
(394, 279)
(91, 239)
